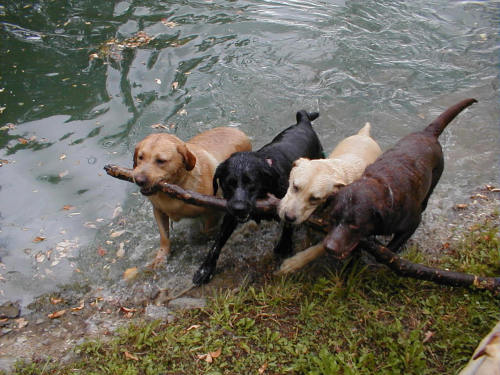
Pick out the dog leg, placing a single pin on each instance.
(207, 269)
(400, 238)
(163, 225)
(300, 259)
(284, 246)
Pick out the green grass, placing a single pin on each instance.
(361, 320)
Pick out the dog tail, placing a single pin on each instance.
(304, 115)
(365, 130)
(438, 125)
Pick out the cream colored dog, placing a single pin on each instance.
(486, 358)
(190, 165)
(312, 181)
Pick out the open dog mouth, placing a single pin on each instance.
(243, 219)
(147, 191)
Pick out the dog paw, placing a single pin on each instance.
(203, 275)
(159, 260)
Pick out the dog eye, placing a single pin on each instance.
(295, 188)
(160, 161)
(140, 157)
(313, 199)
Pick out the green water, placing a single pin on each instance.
(78, 89)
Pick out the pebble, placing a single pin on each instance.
(187, 303)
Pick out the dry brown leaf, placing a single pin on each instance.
(68, 207)
(216, 354)
(56, 314)
(159, 126)
(128, 310)
(461, 206)
(38, 239)
(62, 157)
(428, 336)
(22, 141)
(130, 273)
(130, 356)
(117, 233)
(194, 326)
(101, 251)
(21, 323)
(78, 308)
(263, 368)
(55, 301)
(121, 250)
(175, 85)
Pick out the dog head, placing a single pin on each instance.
(311, 182)
(354, 217)
(243, 178)
(160, 157)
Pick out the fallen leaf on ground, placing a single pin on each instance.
(175, 85)
(82, 305)
(21, 323)
(428, 336)
(56, 314)
(68, 207)
(62, 157)
(127, 309)
(194, 326)
(55, 301)
(130, 356)
(263, 368)
(461, 206)
(22, 141)
(38, 239)
(217, 353)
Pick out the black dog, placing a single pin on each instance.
(392, 193)
(248, 176)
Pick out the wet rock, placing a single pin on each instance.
(187, 303)
(162, 313)
(9, 310)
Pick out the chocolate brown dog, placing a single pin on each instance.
(392, 193)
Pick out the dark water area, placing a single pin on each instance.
(82, 81)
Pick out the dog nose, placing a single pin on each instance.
(290, 217)
(140, 180)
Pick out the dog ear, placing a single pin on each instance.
(219, 172)
(136, 151)
(187, 156)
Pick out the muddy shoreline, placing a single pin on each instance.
(81, 312)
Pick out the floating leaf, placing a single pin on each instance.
(56, 314)
(38, 239)
(62, 157)
(63, 174)
(175, 85)
(117, 233)
(40, 257)
(101, 251)
(121, 250)
(22, 141)
(158, 81)
(68, 207)
(159, 126)
(130, 273)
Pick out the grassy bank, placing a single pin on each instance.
(359, 320)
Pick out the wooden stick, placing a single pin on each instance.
(406, 268)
